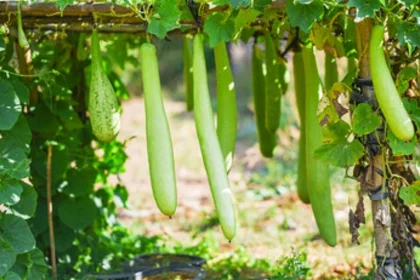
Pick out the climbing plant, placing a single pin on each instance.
(55, 190)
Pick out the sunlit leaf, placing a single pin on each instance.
(340, 153)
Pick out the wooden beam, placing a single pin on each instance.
(81, 17)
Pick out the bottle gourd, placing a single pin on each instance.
(103, 103)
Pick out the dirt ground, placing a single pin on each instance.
(269, 228)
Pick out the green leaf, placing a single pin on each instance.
(16, 231)
(31, 265)
(244, 18)
(319, 35)
(165, 17)
(11, 275)
(340, 153)
(416, 15)
(400, 148)
(10, 190)
(62, 4)
(365, 120)
(336, 131)
(413, 109)
(220, 2)
(120, 196)
(64, 237)
(261, 4)
(42, 120)
(77, 213)
(28, 201)
(6, 53)
(7, 256)
(65, 111)
(19, 137)
(59, 163)
(80, 181)
(21, 266)
(2, 47)
(39, 223)
(21, 90)
(404, 77)
(218, 28)
(38, 268)
(14, 163)
(304, 15)
(408, 33)
(409, 3)
(10, 107)
(411, 194)
(236, 4)
(365, 8)
(328, 114)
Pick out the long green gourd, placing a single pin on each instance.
(81, 53)
(23, 42)
(273, 86)
(188, 76)
(284, 76)
(159, 143)
(331, 72)
(385, 91)
(226, 105)
(317, 177)
(209, 144)
(266, 139)
(103, 103)
(300, 91)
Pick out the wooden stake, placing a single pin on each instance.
(373, 179)
(50, 214)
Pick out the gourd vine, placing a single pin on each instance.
(60, 109)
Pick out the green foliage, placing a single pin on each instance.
(49, 109)
(304, 14)
(165, 17)
(411, 194)
(399, 147)
(404, 77)
(340, 153)
(365, 120)
(83, 215)
(218, 28)
(365, 8)
(292, 267)
(240, 265)
(9, 105)
(413, 109)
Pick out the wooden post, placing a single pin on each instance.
(387, 267)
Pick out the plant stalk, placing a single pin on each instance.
(50, 214)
